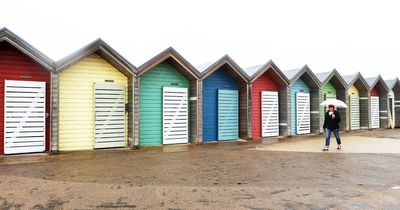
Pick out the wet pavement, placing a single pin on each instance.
(270, 174)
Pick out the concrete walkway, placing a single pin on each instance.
(350, 144)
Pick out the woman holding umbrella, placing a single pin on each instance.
(331, 124)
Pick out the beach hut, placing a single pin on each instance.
(225, 102)
(268, 101)
(358, 105)
(379, 102)
(25, 96)
(333, 87)
(304, 99)
(168, 89)
(394, 102)
(95, 94)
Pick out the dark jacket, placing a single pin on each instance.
(331, 123)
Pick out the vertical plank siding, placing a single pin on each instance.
(136, 111)
(76, 121)
(199, 117)
(341, 94)
(193, 111)
(284, 110)
(315, 101)
(244, 92)
(130, 111)
(55, 113)
(151, 84)
(396, 98)
(15, 65)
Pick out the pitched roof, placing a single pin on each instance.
(291, 73)
(322, 76)
(251, 70)
(325, 77)
(178, 59)
(372, 81)
(202, 67)
(8, 36)
(349, 78)
(391, 83)
(352, 79)
(101, 48)
(254, 72)
(294, 74)
(225, 60)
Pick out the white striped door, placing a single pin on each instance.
(269, 113)
(109, 129)
(374, 112)
(175, 115)
(354, 112)
(24, 116)
(303, 113)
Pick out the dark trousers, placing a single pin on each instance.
(328, 136)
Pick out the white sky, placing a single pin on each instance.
(348, 35)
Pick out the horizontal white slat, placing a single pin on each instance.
(24, 129)
(109, 91)
(18, 150)
(26, 100)
(104, 130)
(116, 143)
(24, 89)
(19, 83)
(24, 134)
(8, 114)
(25, 95)
(13, 124)
(23, 139)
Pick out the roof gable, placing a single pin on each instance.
(254, 72)
(8, 36)
(392, 83)
(357, 80)
(104, 50)
(373, 81)
(295, 74)
(176, 59)
(333, 76)
(225, 61)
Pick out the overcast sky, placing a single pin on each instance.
(348, 35)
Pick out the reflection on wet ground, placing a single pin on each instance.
(260, 174)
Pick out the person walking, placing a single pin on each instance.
(331, 125)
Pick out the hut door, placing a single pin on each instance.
(228, 115)
(269, 113)
(303, 113)
(374, 112)
(109, 129)
(175, 115)
(354, 112)
(24, 116)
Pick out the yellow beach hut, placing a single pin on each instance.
(95, 99)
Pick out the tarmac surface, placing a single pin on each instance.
(290, 173)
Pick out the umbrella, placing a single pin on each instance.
(335, 102)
